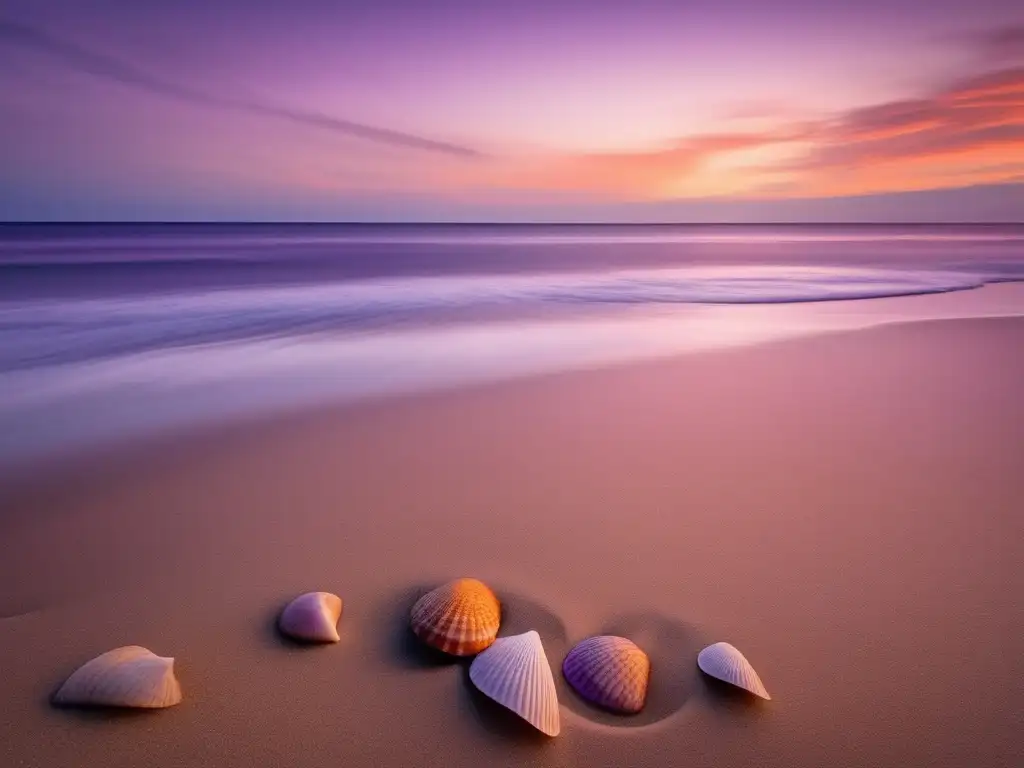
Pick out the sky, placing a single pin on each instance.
(512, 110)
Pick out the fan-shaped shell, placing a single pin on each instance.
(131, 676)
(460, 617)
(724, 662)
(609, 671)
(312, 617)
(515, 672)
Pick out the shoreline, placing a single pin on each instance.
(50, 410)
(142, 446)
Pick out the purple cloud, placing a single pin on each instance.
(1002, 44)
(103, 66)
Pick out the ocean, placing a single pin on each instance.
(110, 331)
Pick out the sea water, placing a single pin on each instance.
(109, 331)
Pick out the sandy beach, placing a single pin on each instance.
(845, 509)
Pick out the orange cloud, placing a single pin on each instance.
(640, 174)
(994, 87)
(977, 118)
(962, 134)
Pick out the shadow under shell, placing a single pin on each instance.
(672, 648)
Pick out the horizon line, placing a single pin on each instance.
(322, 223)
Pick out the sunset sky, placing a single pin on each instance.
(499, 110)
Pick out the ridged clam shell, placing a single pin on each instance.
(609, 671)
(312, 617)
(131, 676)
(724, 662)
(460, 617)
(515, 672)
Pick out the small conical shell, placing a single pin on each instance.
(724, 662)
(460, 617)
(312, 617)
(131, 676)
(609, 671)
(515, 672)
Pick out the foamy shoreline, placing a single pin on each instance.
(53, 411)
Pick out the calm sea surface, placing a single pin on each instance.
(112, 330)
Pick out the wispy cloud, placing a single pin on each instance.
(980, 113)
(1000, 44)
(971, 131)
(101, 65)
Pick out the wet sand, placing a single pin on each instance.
(847, 509)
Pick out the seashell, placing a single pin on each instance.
(131, 676)
(609, 671)
(460, 617)
(515, 672)
(724, 662)
(312, 617)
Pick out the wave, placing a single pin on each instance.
(51, 331)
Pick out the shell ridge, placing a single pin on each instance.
(609, 671)
(460, 617)
(532, 691)
(515, 673)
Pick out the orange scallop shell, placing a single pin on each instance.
(460, 618)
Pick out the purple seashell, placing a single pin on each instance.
(609, 671)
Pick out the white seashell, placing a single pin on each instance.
(131, 676)
(514, 671)
(724, 662)
(312, 617)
